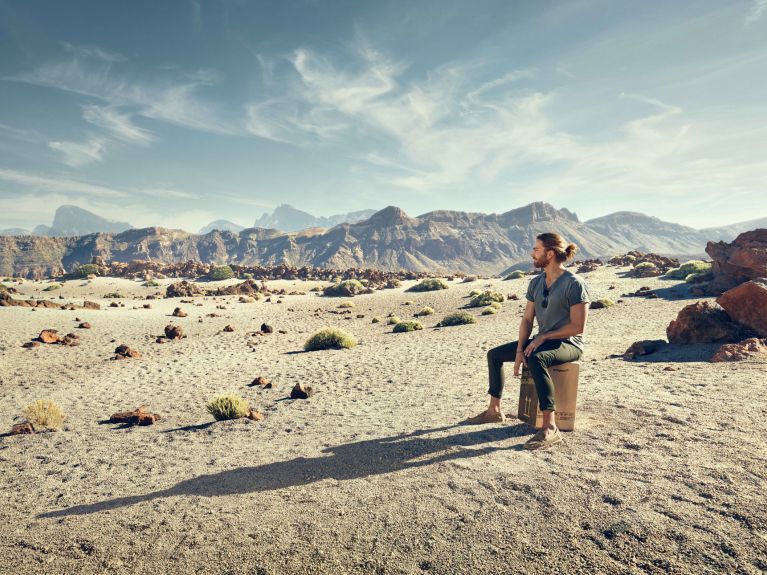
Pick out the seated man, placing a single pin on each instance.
(558, 299)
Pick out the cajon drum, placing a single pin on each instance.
(565, 378)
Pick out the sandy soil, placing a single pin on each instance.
(665, 473)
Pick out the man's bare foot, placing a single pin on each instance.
(486, 416)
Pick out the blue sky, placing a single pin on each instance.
(177, 113)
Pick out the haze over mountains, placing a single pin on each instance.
(439, 241)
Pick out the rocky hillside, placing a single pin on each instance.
(286, 218)
(439, 241)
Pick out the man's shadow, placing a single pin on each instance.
(344, 462)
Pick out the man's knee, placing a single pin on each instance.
(536, 360)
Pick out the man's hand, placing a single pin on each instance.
(533, 346)
(518, 361)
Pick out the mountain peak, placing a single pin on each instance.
(390, 216)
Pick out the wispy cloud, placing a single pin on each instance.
(758, 8)
(94, 52)
(120, 125)
(58, 184)
(80, 154)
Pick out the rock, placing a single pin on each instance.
(588, 266)
(21, 428)
(739, 351)
(670, 368)
(31, 344)
(178, 312)
(90, 305)
(136, 417)
(122, 351)
(183, 289)
(747, 304)
(173, 331)
(266, 328)
(255, 415)
(744, 259)
(147, 306)
(262, 382)
(512, 296)
(703, 322)
(84, 325)
(49, 336)
(597, 304)
(114, 304)
(71, 339)
(300, 391)
(160, 340)
(229, 328)
(644, 347)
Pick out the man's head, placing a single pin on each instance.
(551, 247)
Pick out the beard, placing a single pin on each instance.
(542, 262)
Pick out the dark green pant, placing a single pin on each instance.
(552, 352)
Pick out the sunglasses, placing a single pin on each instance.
(545, 303)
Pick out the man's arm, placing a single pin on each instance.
(526, 325)
(578, 315)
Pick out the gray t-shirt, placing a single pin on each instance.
(566, 291)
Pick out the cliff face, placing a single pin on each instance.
(439, 241)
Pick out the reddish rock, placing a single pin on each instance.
(301, 391)
(644, 347)
(742, 260)
(90, 305)
(84, 325)
(173, 331)
(229, 328)
(747, 304)
(255, 415)
(49, 336)
(183, 289)
(71, 339)
(703, 322)
(21, 428)
(31, 344)
(138, 416)
(262, 382)
(739, 351)
(122, 351)
(266, 328)
(178, 312)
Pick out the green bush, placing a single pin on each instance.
(347, 304)
(486, 298)
(87, 270)
(431, 284)
(688, 268)
(489, 311)
(221, 273)
(227, 407)
(602, 303)
(391, 320)
(495, 305)
(150, 283)
(330, 339)
(114, 295)
(644, 266)
(52, 287)
(346, 288)
(515, 275)
(475, 292)
(426, 310)
(699, 277)
(317, 288)
(247, 276)
(404, 326)
(457, 318)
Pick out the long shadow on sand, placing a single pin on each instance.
(349, 461)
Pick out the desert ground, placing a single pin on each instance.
(666, 471)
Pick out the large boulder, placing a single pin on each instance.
(739, 351)
(740, 261)
(183, 289)
(747, 304)
(703, 322)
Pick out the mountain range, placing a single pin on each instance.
(438, 241)
(71, 221)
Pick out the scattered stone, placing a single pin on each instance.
(703, 322)
(84, 325)
(122, 351)
(747, 304)
(282, 331)
(644, 347)
(229, 328)
(670, 368)
(71, 339)
(21, 428)
(160, 340)
(262, 382)
(138, 416)
(183, 289)
(744, 259)
(173, 331)
(301, 391)
(178, 312)
(588, 266)
(254, 415)
(91, 305)
(512, 296)
(114, 304)
(31, 344)
(266, 328)
(147, 306)
(739, 351)
(49, 336)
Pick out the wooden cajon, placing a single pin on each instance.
(565, 378)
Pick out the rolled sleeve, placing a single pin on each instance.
(578, 293)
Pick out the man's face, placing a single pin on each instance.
(541, 257)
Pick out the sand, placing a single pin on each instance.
(665, 472)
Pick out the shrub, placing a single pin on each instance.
(601, 303)
(150, 283)
(247, 276)
(495, 305)
(346, 288)
(347, 304)
(489, 311)
(227, 407)
(475, 292)
(330, 339)
(221, 273)
(515, 275)
(52, 287)
(391, 320)
(688, 268)
(404, 326)
(43, 413)
(87, 270)
(699, 277)
(457, 318)
(114, 295)
(317, 288)
(486, 298)
(644, 266)
(432, 284)
(425, 311)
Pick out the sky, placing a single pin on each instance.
(177, 113)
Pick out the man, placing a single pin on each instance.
(558, 299)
